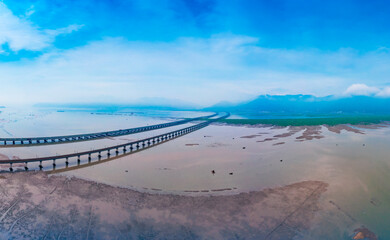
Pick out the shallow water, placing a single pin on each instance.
(356, 166)
(358, 175)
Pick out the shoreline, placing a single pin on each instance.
(227, 191)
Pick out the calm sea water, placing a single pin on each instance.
(356, 166)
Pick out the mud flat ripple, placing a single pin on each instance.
(36, 206)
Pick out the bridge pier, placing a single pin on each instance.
(138, 145)
(10, 167)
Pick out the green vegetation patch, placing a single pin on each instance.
(354, 120)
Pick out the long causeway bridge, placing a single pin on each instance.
(92, 136)
(108, 152)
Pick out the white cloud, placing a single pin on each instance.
(65, 30)
(203, 71)
(359, 89)
(385, 92)
(20, 33)
(30, 11)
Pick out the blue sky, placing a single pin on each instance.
(198, 51)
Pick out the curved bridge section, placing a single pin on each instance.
(92, 136)
(117, 150)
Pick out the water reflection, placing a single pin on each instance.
(355, 165)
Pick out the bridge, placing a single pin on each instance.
(92, 136)
(118, 150)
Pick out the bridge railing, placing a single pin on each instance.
(122, 149)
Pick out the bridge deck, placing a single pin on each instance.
(91, 136)
(120, 149)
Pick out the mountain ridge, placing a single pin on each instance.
(301, 103)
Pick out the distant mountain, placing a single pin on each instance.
(308, 104)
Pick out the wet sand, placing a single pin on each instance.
(352, 159)
(307, 132)
(35, 206)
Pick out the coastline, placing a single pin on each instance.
(310, 121)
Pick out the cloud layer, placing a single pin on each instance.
(21, 34)
(360, 89)
(203, 71)
(203, 68)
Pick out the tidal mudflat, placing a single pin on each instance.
(221, 182)
(35, 206)
(228, 160)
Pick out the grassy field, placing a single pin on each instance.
(371, 119)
